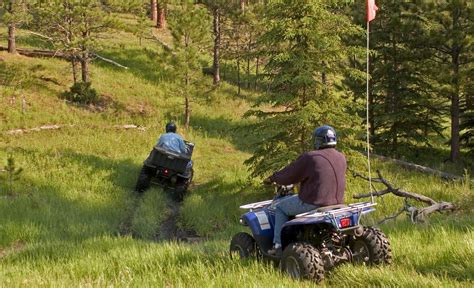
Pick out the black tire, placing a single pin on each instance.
(371, 248)
(178, 193)
(302, 260)
(181, 190)
(144, 178)
(243, 245)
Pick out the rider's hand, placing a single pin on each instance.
(267, 181)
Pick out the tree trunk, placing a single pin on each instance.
(242, 5)
(256, 71)
(85, 68)
(187, 112)
(454, 155)
(455, 51)
(238, 76)
(395, 140)
(249, 47)
(161, 16)
(217, 43)
(154, 12)
(11, 38)
(74, 69)
(187, 109)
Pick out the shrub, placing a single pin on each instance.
(82, 93)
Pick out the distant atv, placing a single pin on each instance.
(313, 242)
(167, 169)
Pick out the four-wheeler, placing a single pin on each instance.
(170, 170)
(312, 242)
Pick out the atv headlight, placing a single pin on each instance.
(242, 222)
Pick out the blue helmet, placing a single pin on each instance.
(324, 136)
(171, 127)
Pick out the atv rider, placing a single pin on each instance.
(321, 173)
(173, 142)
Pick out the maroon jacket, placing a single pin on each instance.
(321, 174)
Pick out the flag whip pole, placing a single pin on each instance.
(367, 116)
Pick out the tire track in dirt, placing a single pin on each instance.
(169, 229)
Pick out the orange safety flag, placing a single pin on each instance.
(371, 9)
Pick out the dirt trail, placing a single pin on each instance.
(169, 230)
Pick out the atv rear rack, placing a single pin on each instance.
(338, 213)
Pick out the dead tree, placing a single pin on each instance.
(417, 215)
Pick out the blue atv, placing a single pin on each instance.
(312, 242)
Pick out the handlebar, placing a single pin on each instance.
(284, 190)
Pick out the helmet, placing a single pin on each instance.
(324, 136)
(171, 127)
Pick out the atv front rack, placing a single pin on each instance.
(256, 205)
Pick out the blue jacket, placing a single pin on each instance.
(172, 142)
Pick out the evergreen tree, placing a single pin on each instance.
(239, 31)
(13, 13)
(217, 8)
(306, 58)
(73, 27)
(405, 109)
(189, 27)
(451, 30)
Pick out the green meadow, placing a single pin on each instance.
(72, 218)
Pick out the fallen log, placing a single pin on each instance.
(36, 129)
(109, 61)
(58, 54)
(417, 215)
(419, 168)
(39, 53)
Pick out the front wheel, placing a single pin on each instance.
(372, 247)
(243, 245)
(301, 260)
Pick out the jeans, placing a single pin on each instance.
(290, 206)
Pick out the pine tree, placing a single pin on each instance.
(13, 14)
(73, 27)
(189, 27)
(405, 109)
(451, 27)
(306, 58)
(217, 8)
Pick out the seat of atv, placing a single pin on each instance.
(160, 157)
(172, 153)
(330, 207)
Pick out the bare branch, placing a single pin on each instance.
(392, 217)
(416, 214)
(40, 35)
(109, 61)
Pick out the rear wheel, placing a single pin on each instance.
(243, 246)
(144, 178)
(372, 247)
(301, 260)
(179, 192)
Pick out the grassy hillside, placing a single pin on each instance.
(73, 219)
